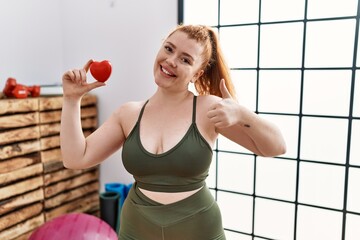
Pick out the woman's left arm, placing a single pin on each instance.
(244, 127)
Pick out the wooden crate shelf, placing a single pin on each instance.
(34, 185)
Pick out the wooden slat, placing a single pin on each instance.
(18, 162)
(50, 167)
(71, 195)
(19, 149)
(61, 175)
(51, 155)
(25, 236)
(18, 135)
(50, 103)
(50, 117)
(89, 123)
(70, 184)
(88, 112)
(20, 215)
(50, 142)
(49, 129)
(82, 204)
(21, 200)
(19, 120)
(21, 187)
(88, 99)
(21, 173)
(18, 105)
(21, 228)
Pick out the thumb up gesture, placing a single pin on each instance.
(224, 113)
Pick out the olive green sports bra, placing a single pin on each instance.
(182, 168)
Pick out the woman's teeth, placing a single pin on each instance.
(166, 72)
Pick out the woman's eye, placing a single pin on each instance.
(185, 60)
(167, 48)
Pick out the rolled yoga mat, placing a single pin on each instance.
(109, 209)
(121, 189)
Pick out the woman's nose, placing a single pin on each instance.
(171, 61)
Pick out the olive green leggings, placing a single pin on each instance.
(194, 218)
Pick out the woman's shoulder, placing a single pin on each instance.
(129, 109)
(208, 99)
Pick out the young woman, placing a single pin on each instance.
(167, 140)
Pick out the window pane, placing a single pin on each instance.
(327, 92)
(239, 11)
(356, 110)
(352, 227)
(201, 12)
(355, 143)
(236, 236)
(324, 139)
(282, 10)
(289, 126)
(281, 45)
(330, 43)
(326, 190)
(236, 172)
(277, 86)
(315, 223)
(240, 46)
(274, 219)
(354, 190)
(276, 178)
(245, 86)
(333, 8)
(236, 211)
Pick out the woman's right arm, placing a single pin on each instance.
(77, 151)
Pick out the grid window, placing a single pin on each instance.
(274, 219)
(238, 11)
(324, 139)
(315, 224)
(332, 100)
(327, 190)
(333, 8)
(245, 83)
(240, 44)
(276, 178)
(295, 63)
(355, 143)
(356, 112)
(354, 190)
(330, 43)
(281, 45)
(236, 211)
(236, 172)
(282, 10)
(275, 86)
(352, 227)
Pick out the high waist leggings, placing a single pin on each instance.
(194, 218)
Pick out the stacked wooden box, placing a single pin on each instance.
(34, 185)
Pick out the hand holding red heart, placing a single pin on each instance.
(75, 81)
(224, 113)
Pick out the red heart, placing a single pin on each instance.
(101, 71)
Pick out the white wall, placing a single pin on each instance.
(40, 39)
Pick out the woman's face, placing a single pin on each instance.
(178, 62)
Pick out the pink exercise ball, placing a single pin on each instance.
(75, 226)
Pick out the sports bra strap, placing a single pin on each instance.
(194, 110)
(142, 110)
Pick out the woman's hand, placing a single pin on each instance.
(75, 84)
(225, 112)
